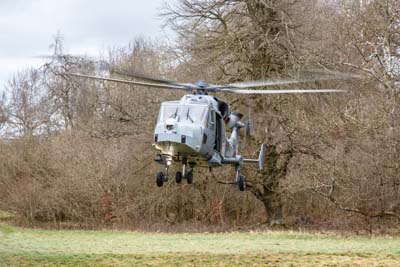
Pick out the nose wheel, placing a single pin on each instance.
(162, 177)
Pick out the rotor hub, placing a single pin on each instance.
(201, 85)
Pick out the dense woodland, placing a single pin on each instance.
(78, 153)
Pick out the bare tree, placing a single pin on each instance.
(122, 110)
(72, 98)
(240, 39)
(237, 40)
(29, 110)
(3, 111)
(360, 175)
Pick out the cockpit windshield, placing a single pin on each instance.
(191, 113)
(194, 114)
(169, 111)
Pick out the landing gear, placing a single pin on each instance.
(240, 180)
(241, 183)
(189, 177)
(162, 177)
(186, 175)
(178, 177)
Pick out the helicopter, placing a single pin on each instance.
(193, 131)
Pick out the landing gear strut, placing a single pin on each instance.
(184, 174)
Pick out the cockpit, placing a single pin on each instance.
(183, 113)
(189, 126)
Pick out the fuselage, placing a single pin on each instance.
(192, 129)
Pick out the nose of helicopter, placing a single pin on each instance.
(178, 138)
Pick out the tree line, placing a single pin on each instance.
(78, 152)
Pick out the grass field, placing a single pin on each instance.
(31, 247)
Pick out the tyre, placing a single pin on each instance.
(189, 177)
(160, 179)
(242, 183)
(178, 177)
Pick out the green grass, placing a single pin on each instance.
(31, 247)
(5, 215)
(178, 259)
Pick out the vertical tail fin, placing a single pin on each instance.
(261, 157)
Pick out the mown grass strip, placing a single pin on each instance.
(33, 247)
(20, 240)
(202, 259)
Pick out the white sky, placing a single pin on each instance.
(27, 28)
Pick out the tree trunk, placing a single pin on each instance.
(268, 187)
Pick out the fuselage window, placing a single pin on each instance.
(218, 133)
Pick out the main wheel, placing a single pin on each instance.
(160, 179)
(189, 177)
(178, 177)
(242, 183)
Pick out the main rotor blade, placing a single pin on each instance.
(153, 79)
(265, 83)
(164, 86)
(323, 76)
(341, 75)
(284, 91)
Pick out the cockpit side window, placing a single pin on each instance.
(211, 120)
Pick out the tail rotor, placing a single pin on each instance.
(248, 126)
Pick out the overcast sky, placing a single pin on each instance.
(27, 28)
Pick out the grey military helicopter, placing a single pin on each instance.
(192, 131)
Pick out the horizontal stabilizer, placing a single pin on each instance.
(260, 160)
